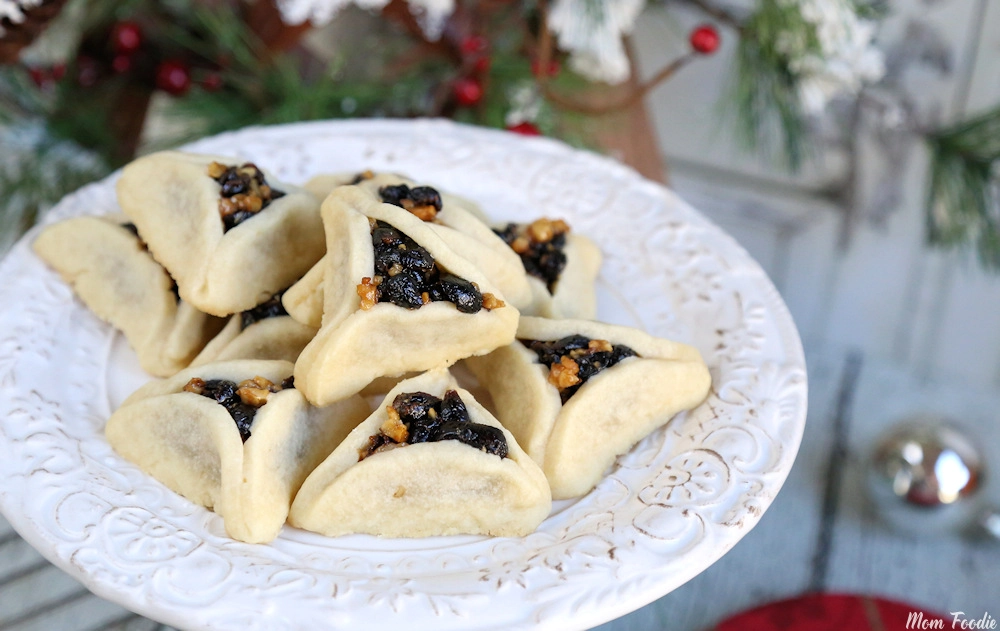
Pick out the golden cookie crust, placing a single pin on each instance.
(279, 337)
(576, 442)
(191, 444)
(175, 205)
(116, 277)
(427, 489)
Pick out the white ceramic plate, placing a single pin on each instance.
(666, 511)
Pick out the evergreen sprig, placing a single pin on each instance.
(963, 207)
(764, 97)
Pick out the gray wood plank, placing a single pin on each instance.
(941, 572)
(967, 344)
(17, 557)
(33, 593)
(136, 623)
(775, 559)
(6, 530)
(85, 613)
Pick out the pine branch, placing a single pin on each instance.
(764, 104)
(963, 206)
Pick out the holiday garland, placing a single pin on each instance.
(524, 66)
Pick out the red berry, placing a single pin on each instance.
(474, 44)
(525, 128)
(536, 67)
(212, 82)
(173, 77)
(482, 65)
(468, 91)
(121, 64)
(38, 76)
(58, 71)
(126, 37)
(705, 39)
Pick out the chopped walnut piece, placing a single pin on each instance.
(521, 244)
(602, 346)
(491, 302)
(227, 206)
(564, 374)
(370, 447)
(393, 427)
(196, 385)
(368, 292)
(262, 383)
(253, 203)
(252, 395)
(395, 269)
(243, 192)
(216, 170)
(423, 212)
(544, 229)
(425, 297)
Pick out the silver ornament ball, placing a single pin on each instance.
(922, 475)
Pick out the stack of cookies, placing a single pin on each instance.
(276, 314)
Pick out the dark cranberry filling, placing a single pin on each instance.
(244, 192)
(542, 258)
(422, 201)
(268, 309)
(241, 400)
(574, 359)
(418, 417)
(407, 276)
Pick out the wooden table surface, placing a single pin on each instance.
(819, 535)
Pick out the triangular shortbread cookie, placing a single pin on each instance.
(196, 433)
(230, 237)
(429, 461)
(415, 306)
(111, 271)
(577, 393)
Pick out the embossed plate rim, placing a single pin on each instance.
(669, 508)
